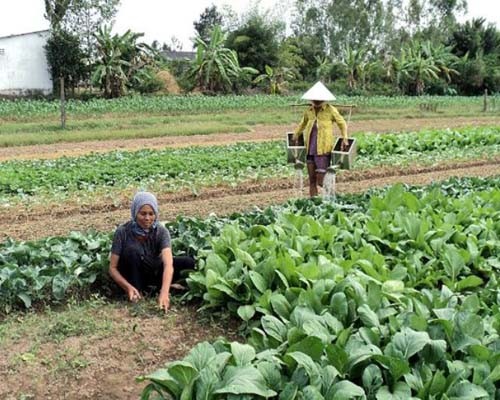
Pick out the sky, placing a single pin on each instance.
(160, 20)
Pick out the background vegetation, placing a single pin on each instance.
(355, 47)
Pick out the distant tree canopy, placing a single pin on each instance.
(357, 46)
(65, 59)
(81, 18)
(256, 43)
(209, 18)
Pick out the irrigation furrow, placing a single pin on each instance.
(51, 220)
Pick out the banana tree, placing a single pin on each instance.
(277, 78)
(120, 60)
(354, 62)
(216, 67)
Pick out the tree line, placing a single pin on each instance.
(408, 47)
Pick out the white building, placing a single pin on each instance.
(23, 65)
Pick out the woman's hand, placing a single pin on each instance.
(164, 300)
(133, 294)
(344, 145)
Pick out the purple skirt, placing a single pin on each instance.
(320, 162)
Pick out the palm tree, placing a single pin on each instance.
(216, 67)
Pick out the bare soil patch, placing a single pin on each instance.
(102, 215)
(257, 134)
(106, 363)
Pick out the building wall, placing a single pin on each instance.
(23, 65)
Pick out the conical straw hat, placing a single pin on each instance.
(318, 92)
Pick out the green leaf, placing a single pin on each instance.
(245, 380)
(243, 354)
(453, 262)
(165, 380)
(245, 258)
(25, 298)
(271, 371)
(372, 378)
(282, 278)
(368, 316)
(216, 263)
(289, 392)
(201, 356)
(495, 374)
(393, 286)
(406, 343)
(258, 281)
(434, 351)
(246, 313)
(480, 352)
(467, 390)
(183, 372)
(396, 366)
(346, 390)
(311, 393)
(438, 384)
(310, 345)
(471, 281)
(274, 328)
(303, 360)
(359, 353)
(401, 391)
(60, 284)
(338, 305)
(281, 306)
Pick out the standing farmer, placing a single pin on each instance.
(317, 128)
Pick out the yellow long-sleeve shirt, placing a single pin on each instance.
(325, 117)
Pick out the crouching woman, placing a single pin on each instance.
(141, 254)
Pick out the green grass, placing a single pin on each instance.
(56, 324)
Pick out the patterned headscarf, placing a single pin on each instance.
(141, 199)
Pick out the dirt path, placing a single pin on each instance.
(259, 133)
(102, 215)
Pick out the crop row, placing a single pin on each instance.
(171, 169)
(54, 268)
(398, 301)
(194, 103)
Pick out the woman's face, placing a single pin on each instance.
(317, 103)
(146, 217)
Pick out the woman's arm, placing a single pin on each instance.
(132, 293)
(298, 131)
(168, 273)
(340, 121)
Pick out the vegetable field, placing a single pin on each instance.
(390, 290)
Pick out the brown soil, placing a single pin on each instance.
(259, 133)
(104, 214)
(103, 365)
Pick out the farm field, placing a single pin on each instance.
(78, 339)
